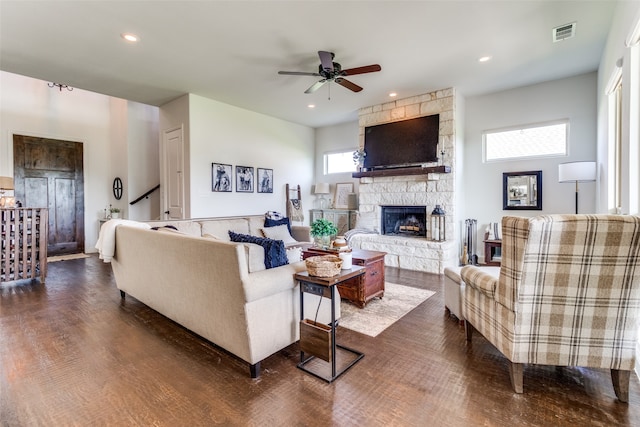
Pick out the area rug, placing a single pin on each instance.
(66, 257)
(379, 314)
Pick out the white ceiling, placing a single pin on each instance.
(231, 51)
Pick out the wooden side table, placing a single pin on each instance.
(492, 252)
(359, 292)
(314, 337)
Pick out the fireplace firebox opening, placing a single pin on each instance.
(410, 221)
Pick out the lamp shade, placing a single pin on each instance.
(577, 172)
(6, 183)
(322, 188)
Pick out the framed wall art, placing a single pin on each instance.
(265, 180)
(341, 196)
(244, 179)
(220, 177)
(522, 190)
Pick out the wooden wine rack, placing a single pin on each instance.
(23, 250)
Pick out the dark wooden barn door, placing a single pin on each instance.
(48, 173)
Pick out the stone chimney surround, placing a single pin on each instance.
(429, 186)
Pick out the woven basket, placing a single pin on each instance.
(323, 266)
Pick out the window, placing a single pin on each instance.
(541, 140)
(614, 91)
(339, 162)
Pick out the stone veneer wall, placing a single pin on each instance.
(428, 189)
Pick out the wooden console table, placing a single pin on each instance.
(344, 219)
(359, 292)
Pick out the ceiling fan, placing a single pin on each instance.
(332, 71)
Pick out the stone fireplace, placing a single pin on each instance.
(433, 184)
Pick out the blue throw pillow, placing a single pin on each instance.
(275, 222)
(275, 253)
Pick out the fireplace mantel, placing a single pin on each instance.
(403, 171)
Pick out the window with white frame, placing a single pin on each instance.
(339, 162)
(634, 121)
(614, 178)
(539, 140)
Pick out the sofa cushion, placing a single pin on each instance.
(279, 232)
(268, 222)
(191, 228)
(275, 254)
(255, 257)
(220, 228)
(256, 223)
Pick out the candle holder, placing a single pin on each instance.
(438, 225)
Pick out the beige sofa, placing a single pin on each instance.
(215, 287)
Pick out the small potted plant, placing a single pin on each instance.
(322, 230)
(115, 212)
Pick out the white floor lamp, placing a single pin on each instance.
(577, 172)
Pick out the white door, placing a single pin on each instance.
(174, 176)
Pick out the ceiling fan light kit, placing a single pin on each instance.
(332, 72)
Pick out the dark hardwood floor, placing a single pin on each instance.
(73, 353)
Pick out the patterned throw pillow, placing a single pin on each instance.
(275, 254)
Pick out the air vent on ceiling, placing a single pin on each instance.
(564, 32)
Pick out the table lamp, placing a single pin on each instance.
(322, 188)
(577, 172)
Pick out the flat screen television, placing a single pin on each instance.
(402, 144)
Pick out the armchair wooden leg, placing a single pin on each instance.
(620, 380)
(516, 374)
(468, 329)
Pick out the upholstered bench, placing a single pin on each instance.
(454, 289)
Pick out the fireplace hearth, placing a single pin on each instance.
(410, 221)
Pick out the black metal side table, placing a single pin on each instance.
(320, 340)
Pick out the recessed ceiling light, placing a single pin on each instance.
(484, 59)
(311, 106)
(130, 37)
(392, 94)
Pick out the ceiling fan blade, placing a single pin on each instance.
(361, 70)
(349, 85)
(317, 85)
(298, 73)
(326, 58)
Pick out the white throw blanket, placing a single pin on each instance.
(106, 244)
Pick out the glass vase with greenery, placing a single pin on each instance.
(322, 230)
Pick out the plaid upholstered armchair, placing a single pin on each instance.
(568, 295)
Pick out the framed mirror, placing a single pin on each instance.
(522, 190)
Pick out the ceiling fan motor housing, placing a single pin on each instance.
(330, 74)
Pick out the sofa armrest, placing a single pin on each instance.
(302, 233)
(479, 280)
(264, 283)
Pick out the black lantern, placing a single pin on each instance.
(438, 225)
